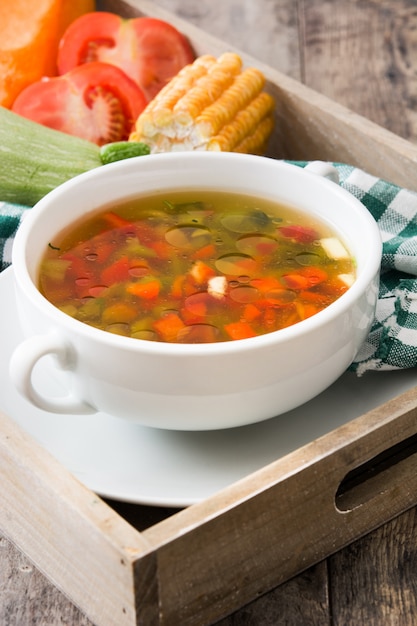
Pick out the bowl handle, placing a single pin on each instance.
(22, 364)
(322, 168)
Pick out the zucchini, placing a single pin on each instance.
(35, 159)
(111, 152)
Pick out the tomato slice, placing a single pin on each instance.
(96, 101)
(147, 49)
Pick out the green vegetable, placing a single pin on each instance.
(35, 159)
(119, 150)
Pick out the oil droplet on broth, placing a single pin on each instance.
(236, 265)
(188, 236)
(202, 304)
(257, 245)
(199, 333)
(119, 329)
(307, 258)
(244, 294)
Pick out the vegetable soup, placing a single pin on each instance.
(188, 267)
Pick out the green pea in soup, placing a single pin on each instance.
(188, 267)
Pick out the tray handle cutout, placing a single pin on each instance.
(377, 475)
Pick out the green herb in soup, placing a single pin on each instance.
(195, 268)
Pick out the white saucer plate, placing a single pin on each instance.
(141, 465)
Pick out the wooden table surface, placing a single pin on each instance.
(362, 54)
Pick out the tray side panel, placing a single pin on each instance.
(215, 557)
(89, 552)
(309, 125)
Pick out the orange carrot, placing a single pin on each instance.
(201, 272)
(239, 330)
(206, 252)
(116, 221)
(168, 326)
(162, 248)
(314, 275)
(266, 283)
(295, 281)
(307, 309)
(29, 36)
(117, 272)
(321, 299)
(146, 289)
(177, 287)
(250, 312)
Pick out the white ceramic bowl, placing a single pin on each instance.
(204, 386)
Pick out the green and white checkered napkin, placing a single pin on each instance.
(392, 341)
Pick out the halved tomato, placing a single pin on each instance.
(97, 102)
(148, 50)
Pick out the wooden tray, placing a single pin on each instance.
(211, 558)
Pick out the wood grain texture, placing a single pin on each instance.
(28, 598)
(361, 53)
(44, 508)
(267, 30)
(384, 587)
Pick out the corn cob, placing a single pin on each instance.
(212, 104)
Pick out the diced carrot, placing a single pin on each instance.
(265, 283)
(310, 309)
(239, 330)
(116, 272)
(295, 281)
(314, 274)
(197, 304)
(162, 248)
(146, 289)
(189, 286)
(206, 252)
(168, 326)
(177, 286)
(307, 309)
(314, 296)
(276, 298)
(115, 221)
(77, 266)
(119, 313)
(250, 312)
(201, 272)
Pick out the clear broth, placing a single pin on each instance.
(188, 267)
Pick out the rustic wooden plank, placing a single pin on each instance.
(85, 548)
(383, 589)
(266, 30)
(361, 55)
(300, 601)
(280, 520)
(28, 598)
(318, 124)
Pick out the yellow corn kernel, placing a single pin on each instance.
(256, 142)
(243, 124)
(212, 104)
